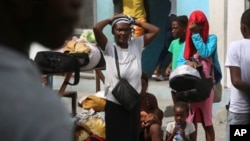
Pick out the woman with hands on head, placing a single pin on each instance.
(121, 124)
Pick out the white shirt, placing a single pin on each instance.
(238, 56)
(129, 64)
(188, 130)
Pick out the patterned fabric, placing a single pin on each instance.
(139, 31)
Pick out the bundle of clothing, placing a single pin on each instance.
(81, 45)
(90, 122)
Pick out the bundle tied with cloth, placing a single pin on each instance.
(95, 101)
(86, 44)
(82, 44)
(190, 84)
(90, 122)
(74, 46)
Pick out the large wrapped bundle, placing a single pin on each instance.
(78, 45)
(73, 46)
(183, 78)
(190, 84)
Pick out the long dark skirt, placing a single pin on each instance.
(121, 124)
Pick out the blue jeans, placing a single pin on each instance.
(236, 119)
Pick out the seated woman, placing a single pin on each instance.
(151, 114)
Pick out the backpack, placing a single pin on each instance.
(56, 62)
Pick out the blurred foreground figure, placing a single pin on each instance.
(29, 111)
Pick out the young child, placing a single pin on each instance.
(238, 62)
(179, 25)
(151, 114)
(185, 129)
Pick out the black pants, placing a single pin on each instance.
(121, 124)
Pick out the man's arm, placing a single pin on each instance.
(236, 80)
(151, 31)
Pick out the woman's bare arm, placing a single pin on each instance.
(151, 31)
(101, 39)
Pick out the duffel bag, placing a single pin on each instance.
(50, 62)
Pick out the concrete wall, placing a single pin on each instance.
(225, 23)
(173, 7)
(185, 7)
(218, 26)
(87, 15)
(234, 12)
(104, 10)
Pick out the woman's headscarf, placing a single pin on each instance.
(200, 18)
(123, 19)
